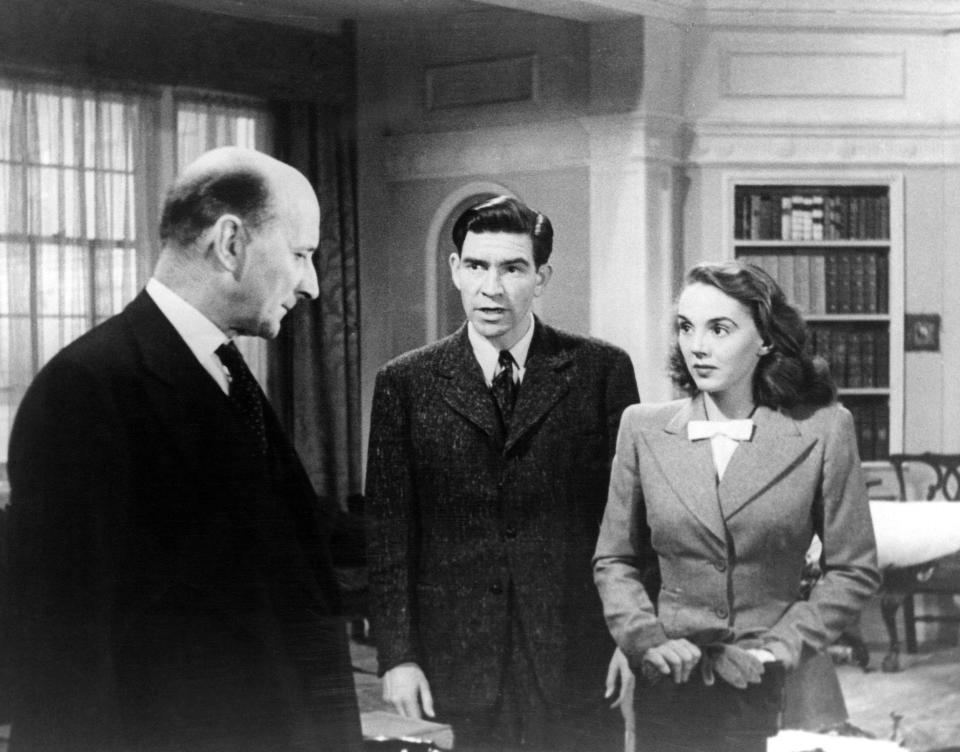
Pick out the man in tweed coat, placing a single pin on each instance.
(486, 483)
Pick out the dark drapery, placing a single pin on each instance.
(316, 363)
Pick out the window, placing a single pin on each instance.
(76, 183)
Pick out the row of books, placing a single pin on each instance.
(829, 281)
(872, 420)
(846, 216)
(859, 356)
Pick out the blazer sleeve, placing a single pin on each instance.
(389, 509)
(849, 557)
(68, 473)
(624, 557)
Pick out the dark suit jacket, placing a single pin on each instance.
(170, 592)
(459, 513)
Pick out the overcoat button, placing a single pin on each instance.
(721, 566)
(510, 532)
(721, 612)
(496, 588)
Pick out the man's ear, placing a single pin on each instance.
(454, 268)
(227, 243)
(544, 272)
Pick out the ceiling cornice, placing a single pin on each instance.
(879, 15)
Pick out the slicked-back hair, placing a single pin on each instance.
(507, 214)
(787, 375)
(195, 204)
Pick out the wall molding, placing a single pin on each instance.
(806, 74)
(578, 142)
(485, 151)
(850, 145)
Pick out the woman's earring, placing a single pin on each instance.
(764, 350)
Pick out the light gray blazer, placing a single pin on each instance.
(731, 554)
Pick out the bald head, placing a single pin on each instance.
(228, 180)
(239, 230)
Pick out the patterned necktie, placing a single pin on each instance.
(245, 394)
(504, 388)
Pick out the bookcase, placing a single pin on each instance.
(835, 245)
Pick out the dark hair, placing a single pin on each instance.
(507, 214)
(194, 204)
(787, 375)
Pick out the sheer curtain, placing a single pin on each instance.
(71, 166)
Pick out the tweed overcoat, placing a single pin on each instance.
(731, 554)
(168, 594)
(459, 513)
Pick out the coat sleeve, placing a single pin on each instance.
(68, 476)
(390, 511)
(849, 557)
(624, 559)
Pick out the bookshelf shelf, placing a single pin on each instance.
(844, 391)
(815, 317)
(813, 243)
(834, 244)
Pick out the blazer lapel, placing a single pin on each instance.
(462, 385)
(688, 467)
(777, 445)
(545, 381)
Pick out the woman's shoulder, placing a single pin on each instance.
(651, 414)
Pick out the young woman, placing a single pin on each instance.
(719, 496)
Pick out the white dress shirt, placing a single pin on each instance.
(488, 356)
(202, 336)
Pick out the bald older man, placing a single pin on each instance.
(172, 585)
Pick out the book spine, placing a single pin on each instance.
(881, 357)
(784, 274)
(830, 281)
(786, 209)
(818, 283)
(858, 280)
(883, 281)
(843, 289)
(868, 359)
(870, 282)
(801, 282)
(854, 365)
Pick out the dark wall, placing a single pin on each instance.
(136, 40)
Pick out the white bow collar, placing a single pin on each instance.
(740, 430)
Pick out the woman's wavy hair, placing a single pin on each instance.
(787, 375)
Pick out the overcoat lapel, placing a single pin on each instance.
(462, 385)
(688, 467)
(546, 380)
(776, 446)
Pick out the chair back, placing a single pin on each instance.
(927, 476)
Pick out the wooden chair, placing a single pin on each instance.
(926, 476)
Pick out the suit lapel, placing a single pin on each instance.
(775, 448)
(191, 407)
(688, 467)
(462, 385)
(545, 381)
